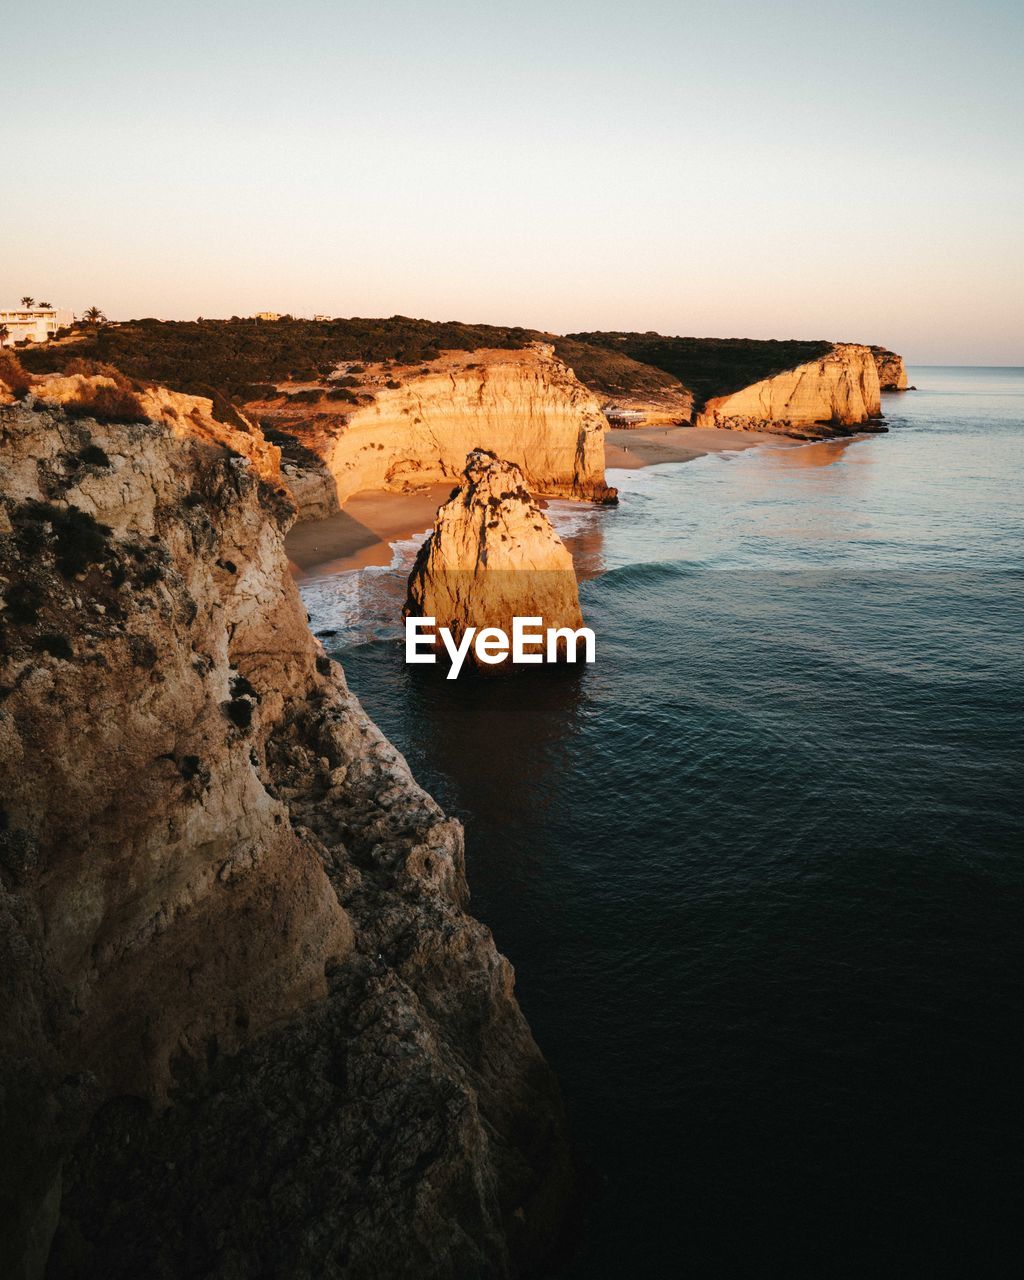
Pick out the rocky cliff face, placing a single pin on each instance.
(246, 1024)
(826, 396)
(493, 556)
(892, 373)
(410, 428)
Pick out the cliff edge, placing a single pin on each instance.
(247, 1026)
(403, 429)
(892, 372)
(826, 396)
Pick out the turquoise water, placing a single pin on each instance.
(760, 868)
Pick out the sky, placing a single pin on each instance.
(734, 168)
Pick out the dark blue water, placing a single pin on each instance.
(761, 869)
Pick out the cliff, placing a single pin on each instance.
(826, 396)
(892, 373)
(631, 393)
(402, 429)
(493, 556)
(246, 1025)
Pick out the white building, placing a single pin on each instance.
(35, 324)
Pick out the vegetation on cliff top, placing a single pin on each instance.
(710, 366)
(241, 358)
(233, 355)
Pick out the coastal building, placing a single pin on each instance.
(319, 317)
(32, 324)
(268, 315)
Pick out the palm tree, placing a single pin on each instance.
(46, 306)
(5, 333)
(28, 301)
(94, 315)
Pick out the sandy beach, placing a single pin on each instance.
(360, 535)
(644, 446)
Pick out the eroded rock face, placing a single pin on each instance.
(184, 416)
(892, 373)
(526, 406)
(246, 1026)
(824, 397)
(493, 556)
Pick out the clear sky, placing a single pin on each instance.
(732, 167)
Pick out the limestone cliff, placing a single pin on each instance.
(246, 1025)
(402, 429)
(184, 416)
(493, 556)
(826, 396)
(892, 372)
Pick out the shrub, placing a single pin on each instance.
(343, 393)
(96, 369)
(238, 711)
(257, 391)
(93, 456)
(106, 404)
(80, 538)
(23, 602)
(241, 688)
(392, 385)
(56, 645)
(304, 397)
(12, 372)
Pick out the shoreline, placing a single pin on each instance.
(360, 535)
(630, 448)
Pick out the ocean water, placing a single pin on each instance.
(760, 869)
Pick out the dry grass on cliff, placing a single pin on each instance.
(14, 375)
(106, 404)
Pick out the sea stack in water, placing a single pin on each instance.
(492, 557)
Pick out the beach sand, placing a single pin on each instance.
(359, 535)
(645, 446)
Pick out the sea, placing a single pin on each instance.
(760, 868)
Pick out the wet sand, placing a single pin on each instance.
(645, 446)
(360, 535)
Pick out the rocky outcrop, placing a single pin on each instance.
(493, 556)
(184, 416)
(892, 373)
(409, 428)
(824, 397)
(246, 1025)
